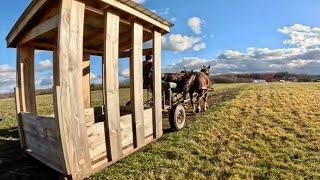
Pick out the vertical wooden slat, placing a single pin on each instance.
(136, 85)
(157, 111)
(20, 125)
(86, 80)
(111, 87)
(69, 106)
(25, 78)
(103, 89)
(56, 79)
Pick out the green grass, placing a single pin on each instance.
(264, 131)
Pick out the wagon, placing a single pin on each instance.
(173, 104)
(79, 140)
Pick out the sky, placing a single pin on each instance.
(233, 36)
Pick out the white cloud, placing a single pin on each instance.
(304, 58)
(186, 63)
(301, 35)
(139, 1)
(7, 78)
(173, 19)
(195, 24)
(41, 51)
(125, 73)
(44, 82)
(95, 79)
(44, 65)
(199, 46)
(230, 54)
(178, 42)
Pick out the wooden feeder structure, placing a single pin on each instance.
(72, 141)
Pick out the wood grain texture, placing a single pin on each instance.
(42, 139)
(42, 28)
(86, 80)
(136, 13)
(136, 85)
(96, 134)
(157, 109)
(20, 125)
(25, 78)
(111, 87)
(69, 97)
(55, 71)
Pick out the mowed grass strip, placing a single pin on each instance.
(267, 131)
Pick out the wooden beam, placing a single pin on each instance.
(121, 6)
(111, 87)
(40, 29)
(86, 80)
(146, 52)
(26, 81)
(69, 108)
(127, 22)
(136, 86)
(157, 109)
(27, 15)
(124, 45)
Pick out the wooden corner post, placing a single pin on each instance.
(136, 86)
(111, 86)
(69, 106)
(25, 79)
(157, 88)
(86, 80)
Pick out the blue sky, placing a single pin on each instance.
(234, 36)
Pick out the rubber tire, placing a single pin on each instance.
(173, 117)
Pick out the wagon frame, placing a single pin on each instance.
(72, 141)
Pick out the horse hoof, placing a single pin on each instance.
(198, 111)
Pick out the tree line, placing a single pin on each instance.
(268, 77)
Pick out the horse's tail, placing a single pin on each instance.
(188, 85)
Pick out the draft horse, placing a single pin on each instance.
(198, 87)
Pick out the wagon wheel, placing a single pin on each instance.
(177, 117)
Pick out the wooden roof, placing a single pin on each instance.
(41, 10)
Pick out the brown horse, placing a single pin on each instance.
(198, 86)
(147, 73)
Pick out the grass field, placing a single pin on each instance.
(250, 131)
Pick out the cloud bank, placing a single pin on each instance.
(303, 56)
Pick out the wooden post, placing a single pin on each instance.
(136, 86)
(56, 76)
(86, 81)
(111, 87)
(157, 88)
(25, 79)
(69, 108)
(20, 125)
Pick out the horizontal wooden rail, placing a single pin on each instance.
(40, 29)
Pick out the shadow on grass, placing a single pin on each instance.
(15, 165)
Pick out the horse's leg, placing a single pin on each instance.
(198, 104)
(192, 103)
(206, 101)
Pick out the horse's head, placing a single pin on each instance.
(206, 70)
